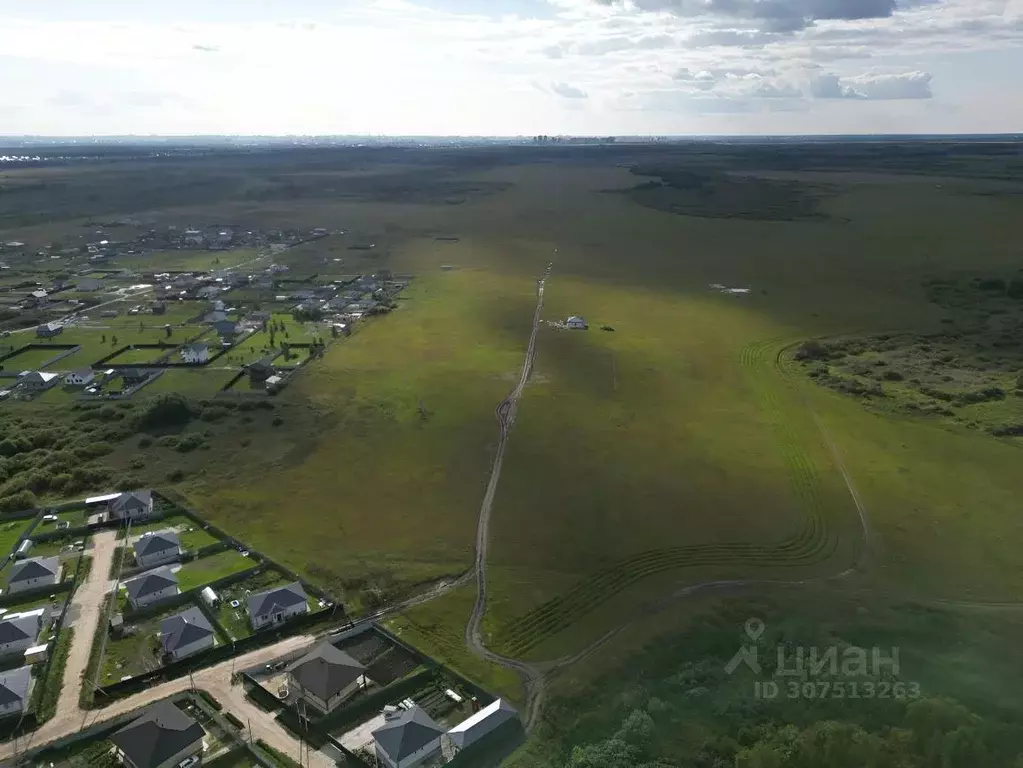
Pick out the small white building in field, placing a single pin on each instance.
(575, 322)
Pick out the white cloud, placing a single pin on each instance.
(886, 87)
(398, 66)
(568, 91)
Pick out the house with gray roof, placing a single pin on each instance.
(277, 605)
(186, 633)
(49, 330)
(407, 739)
(34, 573)
(327, 676)
(37, 381)
(15, 685)
(18, 631)
(157, 548)
(151, 587)
(162, 737)
(132, 505)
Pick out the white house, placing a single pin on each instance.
(277, 605)
(18, 631)
(14, 690)
(576, 322)
(186, 633)
(157, 548)
(327, 676)
(35, 573)
(151, 587)
(48, 330)
(132, 505)
(163, 737)
(195, 353)
(478, 725)
(37, 381)
(407, 739)
(80, 378)
(208, 292)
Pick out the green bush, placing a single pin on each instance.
(16, 502)
(168, 410)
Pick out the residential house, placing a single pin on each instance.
(303, 295)
(217, 305)
(407, 739)
(49, 330)
(158, 308)
(157, 548)
(18, 631)
(34, 573)
(309, 305)
(132, 505)
(162, 737)
(37, 297)
(277, 605)
(14, 690)
(576, 322)
(192, 237)
(186, 633)
(224, 237)
(195, 354)
(479, 724)
(89, 284)
(37, 381)
(226, 329)
(80, 378)
(151, 587)
(327, 676)
(262, 369)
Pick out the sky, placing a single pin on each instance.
(510, 67)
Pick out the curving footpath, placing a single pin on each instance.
(532, 674)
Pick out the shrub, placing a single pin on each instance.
(168, 441)
(165, 411)
(812, 350)
(1015, 289)
(893, 376)
(277, 421)
(16, 502)
(189, 443)
(145, 441)
(127, 482)
(137, 462)
(176, 475)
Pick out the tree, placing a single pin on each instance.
(167, 330)
(113, 340)
(103, 339)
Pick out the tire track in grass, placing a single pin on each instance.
(814, 544)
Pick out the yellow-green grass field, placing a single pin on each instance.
(670, 451)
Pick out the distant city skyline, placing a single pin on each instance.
(512, 67)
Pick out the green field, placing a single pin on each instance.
(10, 532)
(188, 259)
(31, 359)
(196, 573)
(685, 448)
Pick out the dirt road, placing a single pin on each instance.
(533, 675)
(216, 680)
